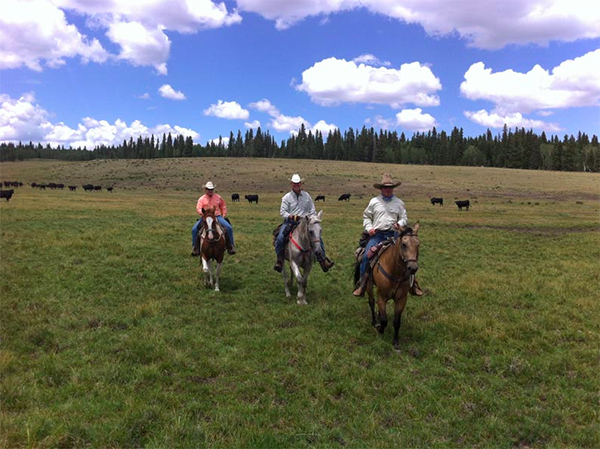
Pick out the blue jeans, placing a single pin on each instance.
(284, 230)
(221, 221)
(374, 240)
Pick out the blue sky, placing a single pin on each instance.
(90, 72)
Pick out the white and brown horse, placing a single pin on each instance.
(212, 247)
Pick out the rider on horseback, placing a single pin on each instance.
(294, 205)
(384, 215)
(210, 198)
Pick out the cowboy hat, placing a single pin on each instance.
(296, 178)
(386, 181)
(209, 185)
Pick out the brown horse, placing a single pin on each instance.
(393, 275)
(212, 247)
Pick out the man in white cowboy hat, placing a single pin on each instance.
(384, 215)
(294, 205)
(210, 199)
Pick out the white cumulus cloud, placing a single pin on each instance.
(487, 24)
(415, 120)
(254, 124)
(24, 120)
(227, 109)
(573, 83)
(166, 91)
(512, 120)
(35, 33)
(335, 81)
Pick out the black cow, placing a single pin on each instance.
(235, 197)
(7, 194)
(72, 187)
(109, 189)
(344, 197)
(462, 204)
(435, 201)
(98, 188)
(320, 198)
(252, 198)
(88, 187)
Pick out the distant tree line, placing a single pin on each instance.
(509, 149)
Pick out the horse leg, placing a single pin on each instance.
(288, 294)
(399, 308)
(300, 281)
(217, 273)
(372, 305)
(303, 285)
(208, 276)
(381, 305)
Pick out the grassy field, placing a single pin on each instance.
(109, 338)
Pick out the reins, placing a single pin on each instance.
(398, 261)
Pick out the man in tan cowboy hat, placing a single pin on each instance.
(294, 205)
(210, 198)
(384, 215)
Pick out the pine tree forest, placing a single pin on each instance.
(518, 148)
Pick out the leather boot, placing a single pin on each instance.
(360, 287)
(195, 251)
(415, 290)
(326, 264)
(231, 250)
(278, 266)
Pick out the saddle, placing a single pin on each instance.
(285, 237)
(374, 251)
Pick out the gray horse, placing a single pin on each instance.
(300, 251)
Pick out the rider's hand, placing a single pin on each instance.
(396, 226)
(295, 217)
(372, 232)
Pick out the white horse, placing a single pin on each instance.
(303, 246)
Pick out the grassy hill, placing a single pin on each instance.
(109, 338)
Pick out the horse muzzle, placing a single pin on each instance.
(412, 267)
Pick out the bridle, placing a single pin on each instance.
(401, 262)
(305, 252)
(210, 232)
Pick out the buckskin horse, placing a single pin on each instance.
(212, 247)
(393, 275)
(302, 247)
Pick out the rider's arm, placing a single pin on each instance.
(284, 211)
(199, 206)
(311, 205)
(368, 217)
(223, 207)
(403, 217)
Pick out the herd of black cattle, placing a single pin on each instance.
(51, 185)
(235, 197)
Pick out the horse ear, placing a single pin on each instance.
(203, 211)
(319, 215)
(416, 227)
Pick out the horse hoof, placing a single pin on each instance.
(302, 302)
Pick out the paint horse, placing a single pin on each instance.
(303, 246)
(212, 247)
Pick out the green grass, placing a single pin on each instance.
(109, 338)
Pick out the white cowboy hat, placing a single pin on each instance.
(296, 178)
(386, 181)
(209, 185)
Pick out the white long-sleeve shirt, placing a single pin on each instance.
(381, 215)
(292, 204)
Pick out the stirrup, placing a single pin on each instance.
(231, 250)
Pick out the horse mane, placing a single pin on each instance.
(406, 231)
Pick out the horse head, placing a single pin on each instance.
(408, 244)
(314, 233)
(210, 224)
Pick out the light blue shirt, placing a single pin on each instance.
(292, 204)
